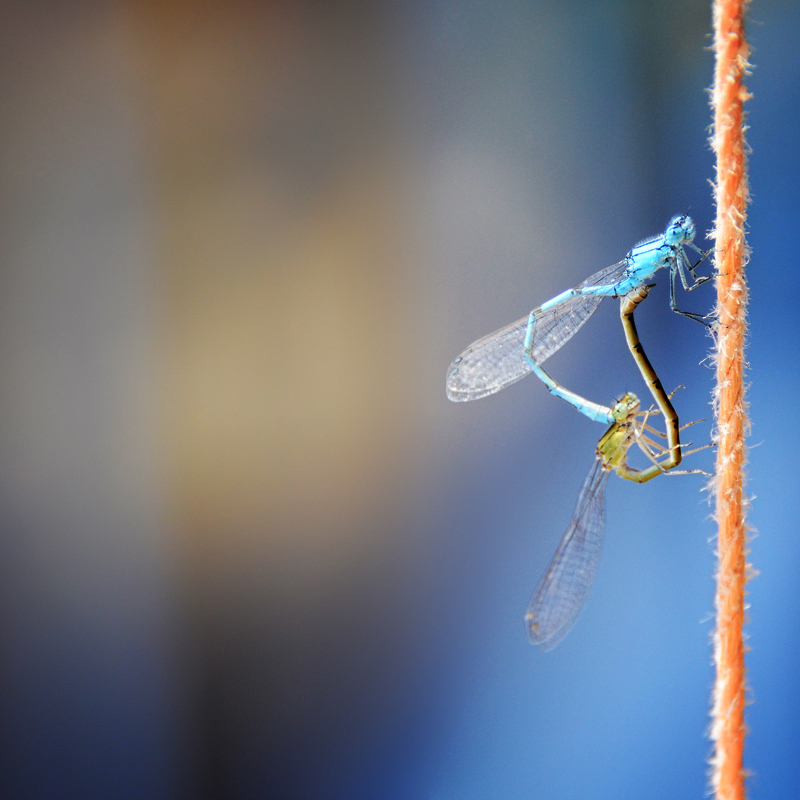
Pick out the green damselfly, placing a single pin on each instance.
(561, 593)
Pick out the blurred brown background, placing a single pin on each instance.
(206, 392)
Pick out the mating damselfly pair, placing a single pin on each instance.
(509, 354)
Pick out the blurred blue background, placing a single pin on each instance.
(247, 547)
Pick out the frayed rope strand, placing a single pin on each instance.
(731, 193)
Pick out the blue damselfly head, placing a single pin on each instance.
(680, 231)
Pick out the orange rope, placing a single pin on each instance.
(729, 94)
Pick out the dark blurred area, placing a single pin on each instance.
(247, 547)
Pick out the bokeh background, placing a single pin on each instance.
(247, 547)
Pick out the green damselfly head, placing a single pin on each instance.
(628, 404)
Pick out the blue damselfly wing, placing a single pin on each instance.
(497, 360)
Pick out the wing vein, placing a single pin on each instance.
(496, 361)
(563, 589)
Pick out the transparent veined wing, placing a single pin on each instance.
(497, 360)
(489, 365)
(561, 593)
